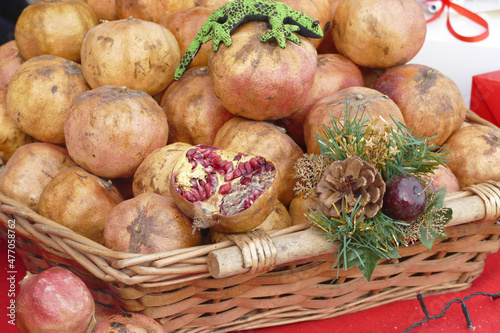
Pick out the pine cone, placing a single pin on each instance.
(350, 179)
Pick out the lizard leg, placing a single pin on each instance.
(221, 33)
(281, 32)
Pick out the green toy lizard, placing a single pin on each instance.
(222, 22)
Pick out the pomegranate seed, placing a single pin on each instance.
(207, 153)
(261, 160)
(253, 162)
(189, 196)
(247, 203)
(195, 193)
(193, 182)
(193, 163)
(269, 167)
(212, 179)
(245, 180)
(248, 166)
(216, 158)
(238, 157)
(229, 176)
(237, 173)
(242, 168)
(228, 167)
(251, 197)
(190, 152)
(208, 190)
(203, 193)
(225, 189)
(205, 163)
(213, 155)
(257, 192)
(262, 169)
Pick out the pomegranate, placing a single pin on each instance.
(379, 33)
(430, 102)
(129, 322)
(153, 174)
(278, 219)
(39, 95)
(185, 24)
(259, 80)
(335, 72)
(10, 60)
(443, 177)
(36, 32)
(360, 101)
(11, 137)
(301, 205)
(110, 130)
(104, 9)
(319, 10)
(138, 54)
(267, 140)
(474, 154)
(30, 169)
(227, 191)
(80, 201)
(150, 10)
(194, 114)
(149, 223)
(56, 300)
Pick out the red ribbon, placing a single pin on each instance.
(465, 12)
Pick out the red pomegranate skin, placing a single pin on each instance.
(149, 223)
(194, 114)
(110, 130)
(335, 72)
(55, 300)
(10, 60)
(262, 81)
(227, 191)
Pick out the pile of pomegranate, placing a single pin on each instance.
(96, 135)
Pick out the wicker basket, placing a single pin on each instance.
(282, 277)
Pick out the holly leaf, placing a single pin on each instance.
(434, 220)
(363, 258)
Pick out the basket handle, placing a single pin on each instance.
(244, 258)
(476, 203)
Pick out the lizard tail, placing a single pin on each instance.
(188, 57)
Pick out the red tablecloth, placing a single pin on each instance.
(393, 317)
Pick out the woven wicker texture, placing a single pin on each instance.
(177, 288)
(281, 277)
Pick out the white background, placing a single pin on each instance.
(461, 60)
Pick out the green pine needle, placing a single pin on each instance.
(363, 242)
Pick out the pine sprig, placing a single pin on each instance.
(391, 150)
(415, 155)
(363, 242)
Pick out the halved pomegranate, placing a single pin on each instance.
(227, 191)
